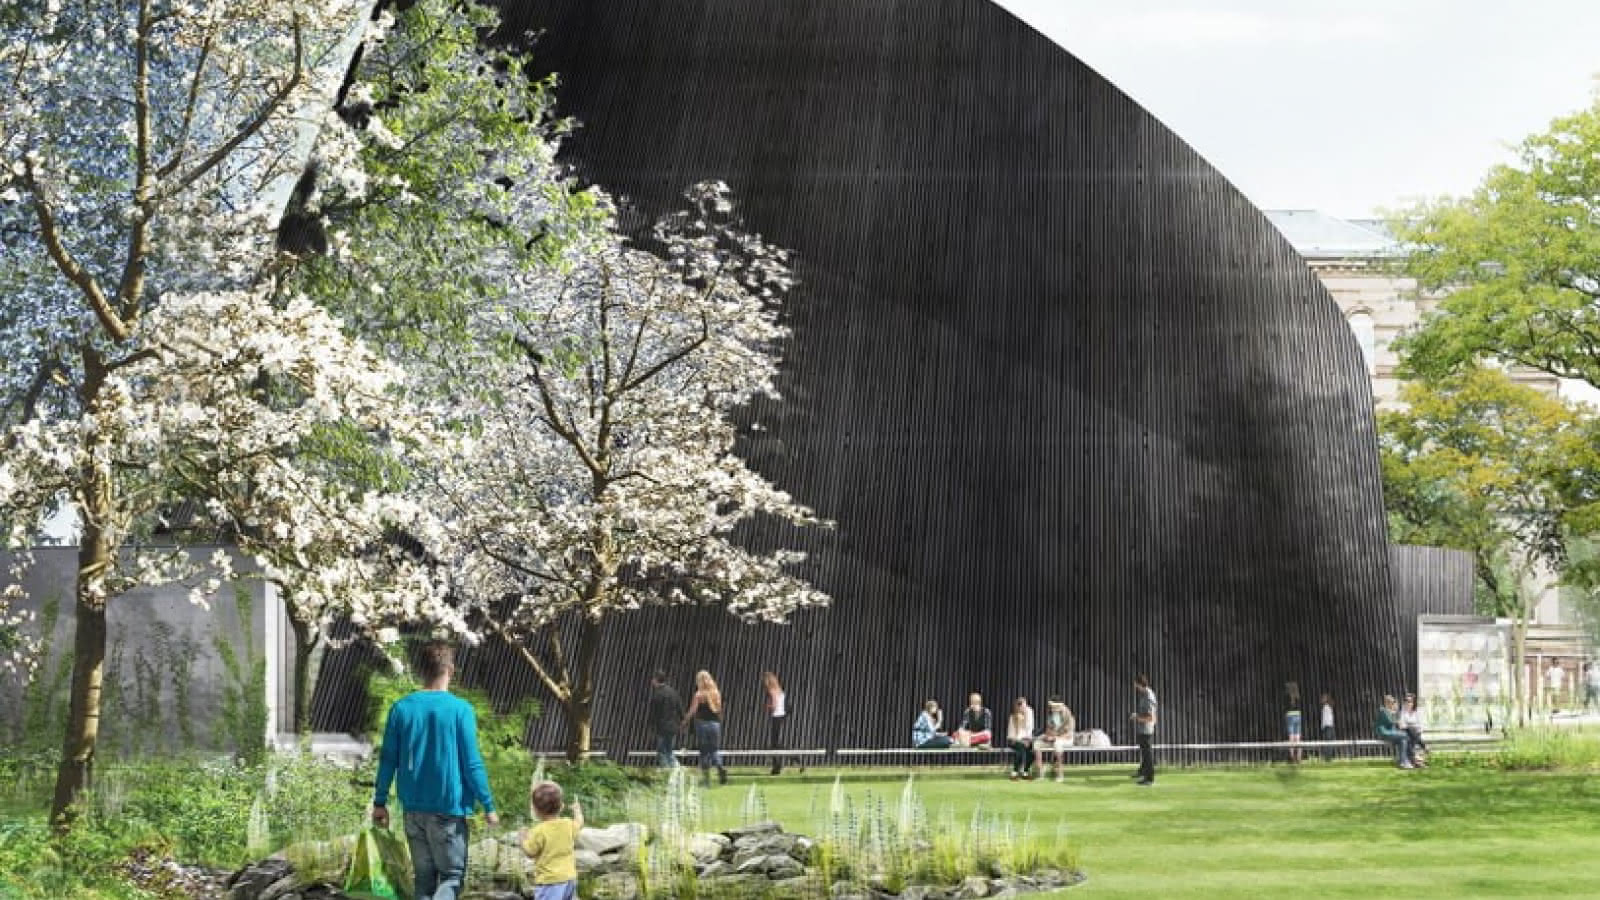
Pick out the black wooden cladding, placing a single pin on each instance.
(1077, 407)
(1428, 581)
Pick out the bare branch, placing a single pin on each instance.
(188, 109)
(675, 356)
(50, 233)
(565, 431)
(216, 156)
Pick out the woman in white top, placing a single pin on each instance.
(776, 713)
(1411, 723)
(1019, 737)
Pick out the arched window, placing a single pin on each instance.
(1367, 336)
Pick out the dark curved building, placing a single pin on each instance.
(1077, 407)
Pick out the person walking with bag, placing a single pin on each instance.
(430, 747)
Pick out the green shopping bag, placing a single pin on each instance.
(380, 867)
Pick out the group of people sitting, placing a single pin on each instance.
(976, 729)
(1403, 729)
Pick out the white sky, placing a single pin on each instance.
(1346, 106)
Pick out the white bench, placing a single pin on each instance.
(736, 754)
(1001, 754)
(562, 754)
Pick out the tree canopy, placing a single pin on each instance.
(1516, 264)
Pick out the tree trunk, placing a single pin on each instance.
(1519, 653)
(580, 703)
(579, 729)
(305, 645)
(88, 665)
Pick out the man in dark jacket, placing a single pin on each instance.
(666, 712)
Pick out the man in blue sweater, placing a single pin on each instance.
(431, 744)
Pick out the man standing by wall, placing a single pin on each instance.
(431, 743)
(1144, 722)
(666, 709)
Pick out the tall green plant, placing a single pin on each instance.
(244, 689)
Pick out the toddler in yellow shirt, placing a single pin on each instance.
(552, 843)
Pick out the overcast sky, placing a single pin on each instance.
(1340, 106)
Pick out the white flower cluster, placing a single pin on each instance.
(146, 154)
(601, 475)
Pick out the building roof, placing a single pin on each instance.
(1317, 235)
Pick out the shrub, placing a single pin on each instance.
(203, 810)
(1548, 749)
(309, 799)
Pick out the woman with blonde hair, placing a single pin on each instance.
(772, 689)
(705, 711)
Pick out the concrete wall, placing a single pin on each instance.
(167, 675)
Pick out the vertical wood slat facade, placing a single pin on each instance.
(1077, 407)
(1428, 581)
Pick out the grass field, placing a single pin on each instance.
(1345, 830)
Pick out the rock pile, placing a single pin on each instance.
(757, 861)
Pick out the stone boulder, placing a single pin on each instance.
(587, 860)
(804, 887)
(612, 839)
(616, 886)
(714, 869)
(499, 866)
(706, 847)
(735, 834)
(747, 885)
(973, 887)
(773, 866)
(250, 882)
(752, 846)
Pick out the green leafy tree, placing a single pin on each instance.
(1517, 261)
(1480, 463)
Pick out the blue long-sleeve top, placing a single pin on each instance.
(430, 745)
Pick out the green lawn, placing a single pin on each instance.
(1346, 830)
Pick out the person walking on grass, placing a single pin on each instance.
(666, 709)
(552, 844)
(705, 711)
(777, 711)
(1019, 737)
(1144, 726)
(430, 746)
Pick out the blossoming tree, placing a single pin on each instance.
(148, 147)
(601, 475)
(456, 152)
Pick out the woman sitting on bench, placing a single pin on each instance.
(1058, 728)
(925, 733)
(1019, 737)
(977, 726)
